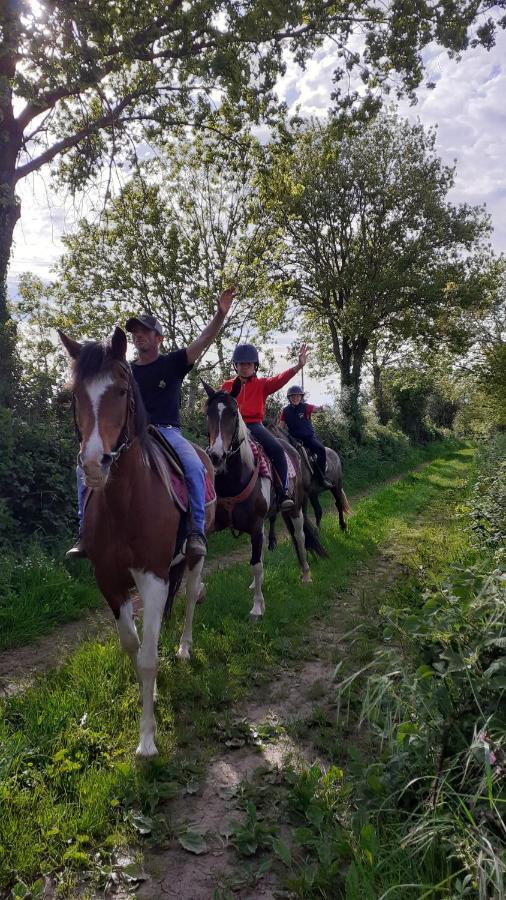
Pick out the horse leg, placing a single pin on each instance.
(257, 566)
(194, 590)
(300, 541)
(318, 511)
(337, 494)
(153, 591)
(129, 639)
(273, 541)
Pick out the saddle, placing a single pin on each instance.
(177, 478)
(265, 465)
(308, 458)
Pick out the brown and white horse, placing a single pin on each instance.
(245, 499)
(132, 525)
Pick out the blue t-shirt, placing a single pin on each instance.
(160, 385)
(298, 419)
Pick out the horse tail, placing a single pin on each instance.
(312, 540)
(175, 578)
(347, 510)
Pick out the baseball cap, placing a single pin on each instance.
(148, 322)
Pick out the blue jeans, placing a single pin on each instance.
(193, 469)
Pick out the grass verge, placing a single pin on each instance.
(69, 784)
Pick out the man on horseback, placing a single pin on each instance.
(251, 402)
(296, 417)
(159, 378)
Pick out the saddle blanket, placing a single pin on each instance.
(180, 490)
(265, 468)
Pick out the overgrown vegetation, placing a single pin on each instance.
(418, 808)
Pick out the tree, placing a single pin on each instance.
(82, 80)
(176, 235)
(367, 241)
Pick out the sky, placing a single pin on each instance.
(467, 106)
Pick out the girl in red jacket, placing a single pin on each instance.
(251, 402)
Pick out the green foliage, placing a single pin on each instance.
(434, 703)
(37, 460)
(366, 241)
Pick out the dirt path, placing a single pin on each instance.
(19, 666)
(294, 696)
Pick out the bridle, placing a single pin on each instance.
(125, 437)
(230, 452)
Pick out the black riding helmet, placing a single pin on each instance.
(245, 353)
(294, 389)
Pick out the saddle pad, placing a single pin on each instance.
(178, 485)
(177, 479)
(265, 468)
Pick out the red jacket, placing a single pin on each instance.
(252, 396)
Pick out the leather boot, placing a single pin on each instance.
(78, 551)
(196, 547)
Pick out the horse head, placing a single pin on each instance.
(104, 403)
(225, 427)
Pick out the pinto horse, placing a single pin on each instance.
(245, 499)
(133, 528)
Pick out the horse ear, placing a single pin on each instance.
(235, 390)
(72, 347)
(208, 389)
(119, 344)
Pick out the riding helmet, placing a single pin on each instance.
(245, 353)
(294, 389)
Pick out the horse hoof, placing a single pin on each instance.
(146, 749)
(254, 618)
(201, 597)
(183, 653)
(306, 578)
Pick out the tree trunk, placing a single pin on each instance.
(352, 356)
(11, 138)
(379, 398)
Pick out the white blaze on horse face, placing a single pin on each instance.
(217, 446)
(94, 447)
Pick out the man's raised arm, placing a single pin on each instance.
(207, 336)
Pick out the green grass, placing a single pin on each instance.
(38, 593)
(69, 783)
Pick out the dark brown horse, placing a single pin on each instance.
(132, 524)
(245, 499)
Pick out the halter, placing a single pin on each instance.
(125, 440)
